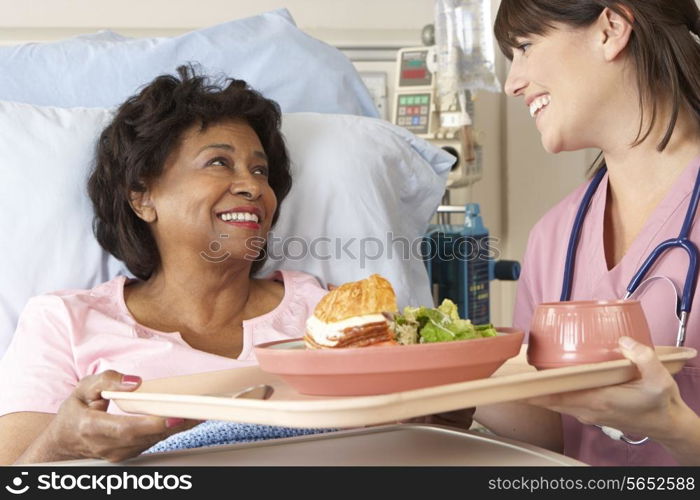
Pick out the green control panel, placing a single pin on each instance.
(413, 111)
(415, 98)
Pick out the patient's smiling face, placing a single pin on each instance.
(213, 195)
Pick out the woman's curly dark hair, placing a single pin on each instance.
(132, 151)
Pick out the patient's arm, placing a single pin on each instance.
(82, 428)
(523, 422)
(18, 431)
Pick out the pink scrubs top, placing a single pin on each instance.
(541, 281)
(64, 336)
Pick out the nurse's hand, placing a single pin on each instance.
(648, 406)
(82, 428)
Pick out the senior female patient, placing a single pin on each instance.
(187, 183)
(621, 76)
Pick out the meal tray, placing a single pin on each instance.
(207, 396)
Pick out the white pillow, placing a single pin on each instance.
(353, 177)
(45, 213)
(95, 38)
(268, 51)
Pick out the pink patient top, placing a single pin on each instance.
(542, 277)
(64, 336)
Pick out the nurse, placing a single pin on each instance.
(622, 76)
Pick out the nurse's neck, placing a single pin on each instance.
(639, 177)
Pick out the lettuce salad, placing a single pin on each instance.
(419, 325)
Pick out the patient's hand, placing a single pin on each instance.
(83, 429)
(461, 419)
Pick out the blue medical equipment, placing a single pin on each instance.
(683, 304)
(461, 263)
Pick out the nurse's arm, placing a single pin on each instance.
(679, 428)
(684, 444)
(648, 406)
(523, 422)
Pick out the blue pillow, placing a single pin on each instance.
(268, 51)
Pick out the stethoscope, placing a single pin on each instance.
(682, 241)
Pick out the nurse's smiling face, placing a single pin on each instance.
(562, 81)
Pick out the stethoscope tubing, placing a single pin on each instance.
(576, 234)
(682, 241)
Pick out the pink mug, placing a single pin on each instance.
(572, 333)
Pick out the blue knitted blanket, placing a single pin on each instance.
(215, 432)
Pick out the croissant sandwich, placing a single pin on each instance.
(351, 316)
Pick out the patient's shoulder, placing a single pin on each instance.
(302, 279)
(301, 290)
(68, 310)
(305, 286)
(106, 295)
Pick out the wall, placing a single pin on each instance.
(329, 14)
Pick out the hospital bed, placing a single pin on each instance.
(56, 97)
(389, 445)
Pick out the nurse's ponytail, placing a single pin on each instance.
(667, 56)
(695, 28)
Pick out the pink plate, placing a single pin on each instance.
(380, 370)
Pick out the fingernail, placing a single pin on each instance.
(174, 422)
(627, 343)
(131, 379)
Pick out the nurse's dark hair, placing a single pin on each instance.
(663, 45)
(133, 149)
